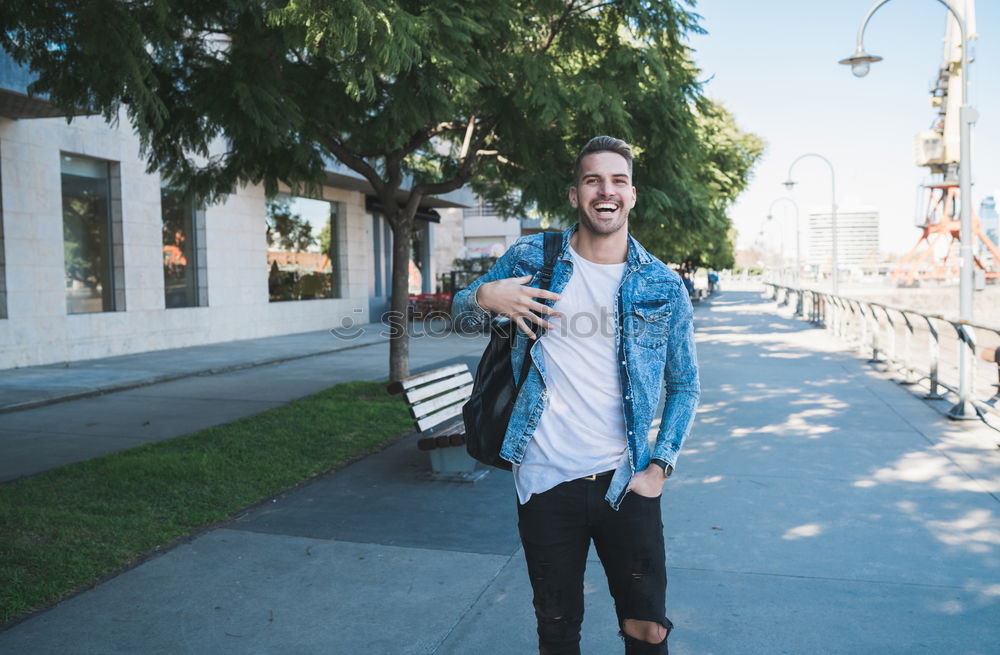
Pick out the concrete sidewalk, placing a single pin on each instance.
(817, 508)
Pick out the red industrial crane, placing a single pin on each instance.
(935, 256)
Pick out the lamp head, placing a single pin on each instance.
(769, 217)
(789, 184)
(860, 62)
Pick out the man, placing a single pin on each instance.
(620, 329)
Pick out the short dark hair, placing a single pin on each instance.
(603, 144)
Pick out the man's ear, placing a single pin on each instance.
(573, 200)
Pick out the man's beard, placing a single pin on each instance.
(603, 227)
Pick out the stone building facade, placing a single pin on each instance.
(76, 287)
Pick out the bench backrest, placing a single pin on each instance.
(437, 396)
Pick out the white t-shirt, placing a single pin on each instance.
(582, 429)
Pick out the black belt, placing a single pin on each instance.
(593, 477)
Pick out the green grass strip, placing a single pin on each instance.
(70, 526)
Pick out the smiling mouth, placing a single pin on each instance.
(606, 207)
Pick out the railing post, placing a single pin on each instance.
(859, 323)
(933, 348)
(846, 316)
(867, 337)
(966, 339)
(892, 354)
(865, 340)
(874, 329)
(907, 369)
(859, 326)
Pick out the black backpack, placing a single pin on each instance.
(487, 412)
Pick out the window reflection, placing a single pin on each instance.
(87, 235)
(300, 248)
(179, 265)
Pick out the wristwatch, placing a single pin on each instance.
(666, 468)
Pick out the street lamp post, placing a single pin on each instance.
(760, 245)
(765, 240)
(859, 63)
(798, 239)
(790, 184)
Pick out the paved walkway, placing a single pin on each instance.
(817, 508)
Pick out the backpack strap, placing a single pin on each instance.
(553, 245)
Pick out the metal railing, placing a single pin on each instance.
(891, 335)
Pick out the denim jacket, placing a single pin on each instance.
(654, 333)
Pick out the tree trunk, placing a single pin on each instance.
(399, 337)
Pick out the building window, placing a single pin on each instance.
(302, 248)
(181, 249)
(91, 236)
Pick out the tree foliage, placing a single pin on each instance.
(420, 97)
(725, 164)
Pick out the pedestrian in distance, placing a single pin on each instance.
(617, 330)
(688, 282)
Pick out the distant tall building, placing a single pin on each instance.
(857, 236)
(990, 219)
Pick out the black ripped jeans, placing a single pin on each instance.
(556, 528)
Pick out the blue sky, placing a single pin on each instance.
(773, 63)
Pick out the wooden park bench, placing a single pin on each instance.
(435, 399)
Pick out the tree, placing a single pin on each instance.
(724, 170)
(424, 95)
(687, 181)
